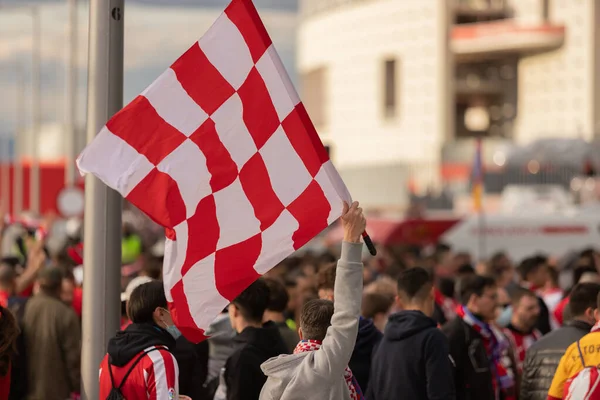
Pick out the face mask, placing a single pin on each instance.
(505, 316)
(172, 329)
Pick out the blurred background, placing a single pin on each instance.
(401, 92)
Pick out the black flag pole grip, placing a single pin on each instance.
(369, 244)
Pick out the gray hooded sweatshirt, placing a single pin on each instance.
(319, 374)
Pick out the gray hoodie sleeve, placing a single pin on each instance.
(333, 356)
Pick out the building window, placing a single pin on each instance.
(314, 95)
(390, 87)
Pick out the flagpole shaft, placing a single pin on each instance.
(103, 206)
(70, 103)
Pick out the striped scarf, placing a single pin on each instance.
(596, 327)
(353, 386)
(496, 347)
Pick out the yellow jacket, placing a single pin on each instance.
(570, 363)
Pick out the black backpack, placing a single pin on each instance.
(115, 392)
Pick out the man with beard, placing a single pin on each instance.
(521, 331)
(485, 367)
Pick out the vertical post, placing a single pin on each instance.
(36, 110)
(102, 232)
(20, 129)
(5, 161)
(71, 98)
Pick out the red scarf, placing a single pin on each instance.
(521, 342)
(596, 327)
(353, 387)
(496, 347)
(447, 304)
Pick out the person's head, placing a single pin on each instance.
(478, 293)
(148, 305)
(9, 331)
(526, 309)
(49, 281)
(416, 291)
(583, 301)
(248, 308)
(8, 278)
(278, 297)
(580, 271)
(377, 307)
(326, 282)
(502, 269)
(534, 270)
(315, 318)
(553, 278)
(67, 288)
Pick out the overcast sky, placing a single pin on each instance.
(156, 33)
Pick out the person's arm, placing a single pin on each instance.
(438, 367)
(71, 346)
(162, 377)
(458, 350)
(560, 377)
(36, 259)
(335, 352)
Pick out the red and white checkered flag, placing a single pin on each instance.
(221, 152)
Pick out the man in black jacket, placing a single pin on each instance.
(412, 361)
(484, 361)
(543, 357)
(254, 344)
(534, 275)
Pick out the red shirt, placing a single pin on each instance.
(155, 377)
(4, 298)
(5, 385)
(77, 300)
(560, 308)
(521, 342)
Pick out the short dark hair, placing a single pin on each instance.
(50, 280)
(253, 301)
(375, 303)
(326, 277)
(474, 285)
(278, 296)
(582, 297)
(579, 271)
(144, 300)
(465, 269)
(414, 283)
(315, 318)
(519, 293)
(531, 265)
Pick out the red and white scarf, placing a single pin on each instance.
(596, 328)
(313, 345)
(521, 342)
(447, 304)
(496, 346)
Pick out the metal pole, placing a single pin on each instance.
(5, 174)
(71, 103)
(102, 232)
(36, 110)
(18, 165)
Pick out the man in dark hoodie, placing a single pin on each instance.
(242, 378)
(412, 361)
(139, 362)
(368, 335)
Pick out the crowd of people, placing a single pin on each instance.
(415, 323)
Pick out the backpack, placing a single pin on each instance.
(585, 384)
(115, 391)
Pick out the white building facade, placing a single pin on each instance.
(400, 88)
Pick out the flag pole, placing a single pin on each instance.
(481, 208)
(103, 207)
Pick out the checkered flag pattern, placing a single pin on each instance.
(221, 152)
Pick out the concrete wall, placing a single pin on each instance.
(556, 89)
(352, 42)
